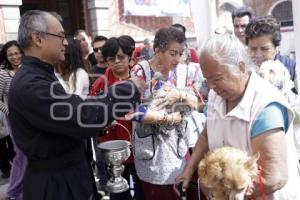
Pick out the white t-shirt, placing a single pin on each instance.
(82, 83)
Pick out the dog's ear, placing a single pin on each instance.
(251, 163)
(212, 170)
(201, 169)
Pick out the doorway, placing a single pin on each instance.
(70, 10)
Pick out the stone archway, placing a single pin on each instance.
(229, 4)
(281, 10)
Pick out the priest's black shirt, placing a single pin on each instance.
(50, 126)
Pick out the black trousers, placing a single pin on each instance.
(7, 154)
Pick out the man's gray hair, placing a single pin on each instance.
(229, 51)
(31, 21)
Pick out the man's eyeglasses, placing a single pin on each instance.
(62, 37)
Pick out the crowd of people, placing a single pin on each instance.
(61, 97)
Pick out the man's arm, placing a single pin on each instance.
(71, 116)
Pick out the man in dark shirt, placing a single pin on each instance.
(147, 52)
(50, 126)
(101, 66)
(240, 19)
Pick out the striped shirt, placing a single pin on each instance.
(5, 79)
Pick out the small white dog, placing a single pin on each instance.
(278, 75)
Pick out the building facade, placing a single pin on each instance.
(109, 17)
(97, 17)
(280, 9)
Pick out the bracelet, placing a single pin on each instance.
(153, 122)
(180, 97)
(183, 99)
(164, 120)
(173, 121)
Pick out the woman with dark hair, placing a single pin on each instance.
(71, 72)
(11, 55)
(10, 59)
(117, 52)
(248, 113)
(87, 55)
(263, 37)
(160, 139)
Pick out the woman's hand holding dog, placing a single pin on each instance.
(183, 179)
(166, 96)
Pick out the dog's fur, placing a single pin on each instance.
(278, 75)
(227, 172)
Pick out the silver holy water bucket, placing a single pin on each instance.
(115, 153)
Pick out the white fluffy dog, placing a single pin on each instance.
(278, 75)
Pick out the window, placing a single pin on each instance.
(283, 13)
